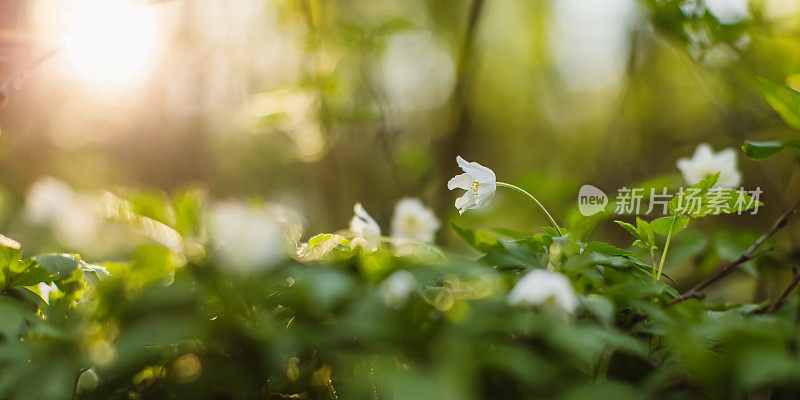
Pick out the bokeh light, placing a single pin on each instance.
(111, 43)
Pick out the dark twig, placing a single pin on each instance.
(12, 81)
(748, 255)
(782, 298)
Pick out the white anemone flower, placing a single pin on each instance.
(368, 232)
(397, 287)
(479, 182)
(705, 162)
(249, 238)
(412, 220)
(542, 286)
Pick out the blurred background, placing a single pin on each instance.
(320, 104)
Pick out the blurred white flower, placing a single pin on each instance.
(77, 225)
(74, 217)
(729, 11)
(479, 182)
(248, 238)
(368, 233)
(397, 287)
(47, 198)
(412, 220)
(541, 286)
(705, 162)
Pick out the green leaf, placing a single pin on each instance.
(605, 248)
(762, 150)
(646, 230)
(632, 230)
(32, 274)
(10, 253)
(661, 225)
(12, 317)
(785, 101)
(553, 232)
(482, 241)
(689, 199)
(324, 237)
(59, 265)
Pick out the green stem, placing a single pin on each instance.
(550, 217)
(653, 263)
(666, 249)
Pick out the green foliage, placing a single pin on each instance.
(785, 101)
(760, 151)
(168, 325)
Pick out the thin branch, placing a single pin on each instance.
(748, 255)
(12, 81)
(782, 298)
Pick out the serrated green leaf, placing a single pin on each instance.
(662, 225)
(690, 200)
(632, 230)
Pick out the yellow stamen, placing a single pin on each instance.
(475, 186)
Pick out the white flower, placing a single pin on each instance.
(705, 162)
(73, 216)
(540, 286)
(249, 238)
(412, 220)
(479, 182)
(397, 287)
(79, 223)
(47, 198)
(368, 232)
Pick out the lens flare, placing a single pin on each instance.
(111, 43)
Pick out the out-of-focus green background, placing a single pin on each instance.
(321, 104)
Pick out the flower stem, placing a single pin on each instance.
(523, 191)
(657, 277)
(653, 263)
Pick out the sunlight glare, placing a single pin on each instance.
(111, 43)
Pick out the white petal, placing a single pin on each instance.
(465, 202)
(485, 194)
(462, 181)
(703, 152)
(478, 172)
(412, 220)
(362, 223)
(731, 179)
(727, 157)
(539, 286)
